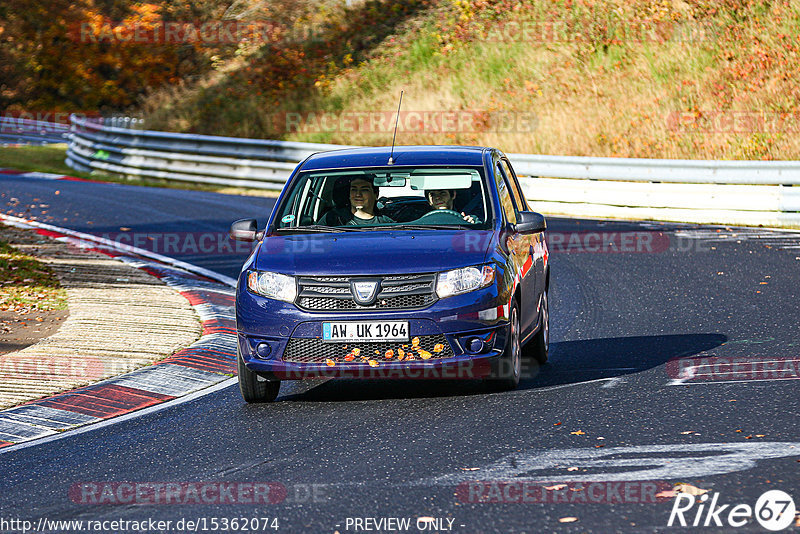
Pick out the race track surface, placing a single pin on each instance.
(677, 362)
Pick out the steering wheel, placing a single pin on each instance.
(442, 217)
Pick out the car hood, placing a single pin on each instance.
(373, 252)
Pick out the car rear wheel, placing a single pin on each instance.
(538, 348)
(254, 387)
(506, 373)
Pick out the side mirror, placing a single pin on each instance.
(530, 222)
(244, 230)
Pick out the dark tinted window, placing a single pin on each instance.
(516, 192)
(387, 196)
(505, 196)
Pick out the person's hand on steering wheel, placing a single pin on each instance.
(469, 218)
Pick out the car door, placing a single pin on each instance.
(514, 242)
(525, 247)
(538, 243)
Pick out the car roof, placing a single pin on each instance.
(403, 155)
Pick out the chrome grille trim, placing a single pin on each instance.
(398, 292)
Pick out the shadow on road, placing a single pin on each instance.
(593, 359)
(571, 362)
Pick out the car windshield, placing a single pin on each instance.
(427, 198)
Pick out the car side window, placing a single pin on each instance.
(312, 203)
(516, 192)
(505, 196)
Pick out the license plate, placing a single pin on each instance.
(365, 331)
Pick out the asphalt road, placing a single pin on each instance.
(611, 407)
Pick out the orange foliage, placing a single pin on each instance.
(71, 55)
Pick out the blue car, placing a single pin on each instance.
(404, 262)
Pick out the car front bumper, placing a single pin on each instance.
(472, 367)
(280, 341)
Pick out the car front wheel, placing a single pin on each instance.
(506, 373)
(256, 388)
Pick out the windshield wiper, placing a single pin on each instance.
(314, 228)
(427, 226)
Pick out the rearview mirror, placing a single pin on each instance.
(440, 181)
(244, 230)
(390, 180)
(530, 222)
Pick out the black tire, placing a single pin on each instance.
(538, 348)
(256, 388)
(506, 372)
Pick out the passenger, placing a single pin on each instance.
(442, 199)
(363, 200)
(363, 209)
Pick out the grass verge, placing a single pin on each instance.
(696, 79)
(25, 282)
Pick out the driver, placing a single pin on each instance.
(363, 210)
(442, 199)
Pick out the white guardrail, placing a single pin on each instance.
(756, 193)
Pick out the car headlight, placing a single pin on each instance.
(272, 285)
(459, 281)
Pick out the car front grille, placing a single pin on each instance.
(315, 351)
(397, 292)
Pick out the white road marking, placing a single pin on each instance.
(31, 421)
(208, 311)
(122, 418)
(11, 430)
(647, 462)
(220, 342)
(46, 416)
(781, 239)
(168, 379)
(682, 382)
(716, 365)
(26, 428)
(16, 221)
(614, 382)
(562, 386)
(42, 175)
(692, 374)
